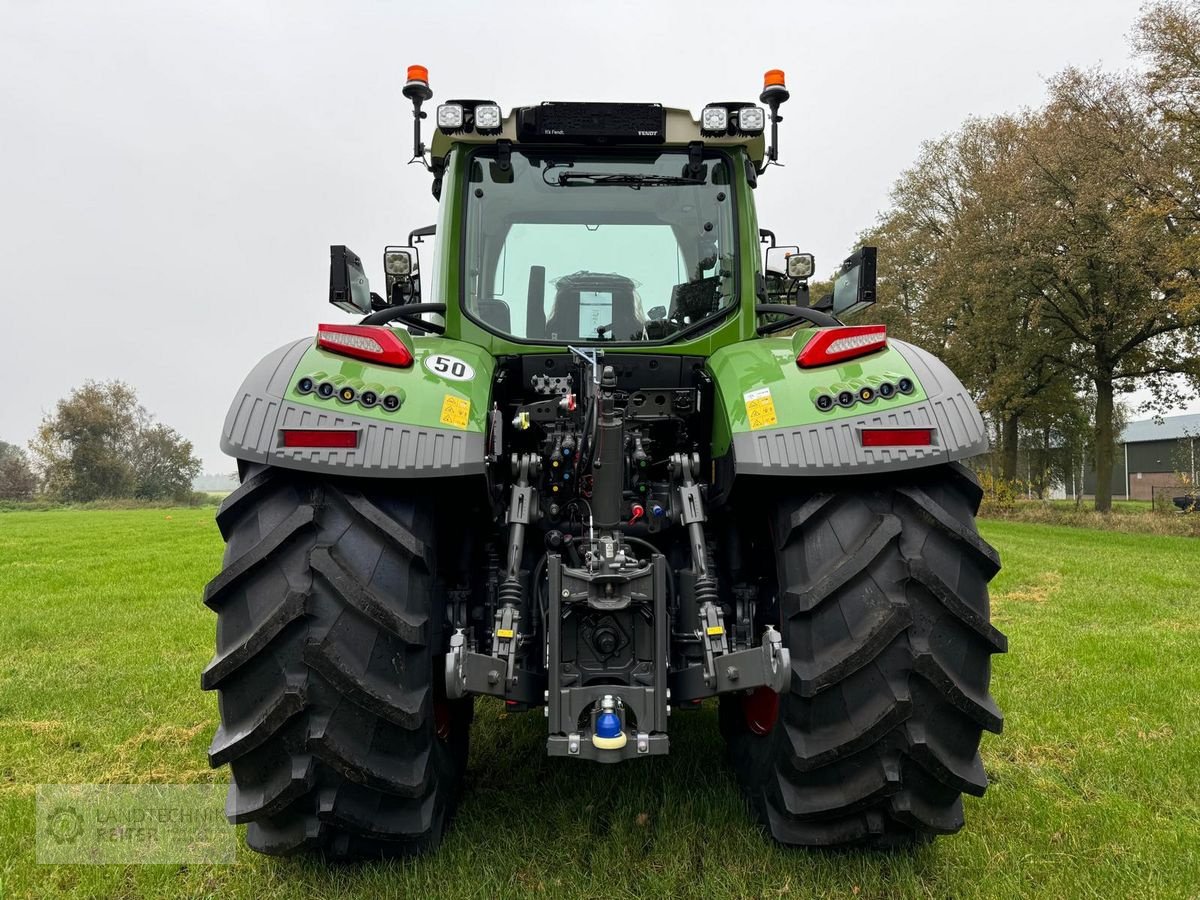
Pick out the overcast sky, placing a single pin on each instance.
(172, 175)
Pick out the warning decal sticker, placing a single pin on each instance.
(760, 408)
(455, 411)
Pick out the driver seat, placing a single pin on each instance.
(563, 322)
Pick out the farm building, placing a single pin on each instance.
(1152, 454)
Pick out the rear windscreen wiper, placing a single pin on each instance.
(623, 179)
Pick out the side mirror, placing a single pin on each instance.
(791, 262)
(402, 269)
(656, 312)
(788, 271)
(349, 290)
(854, 286)
(777, 259)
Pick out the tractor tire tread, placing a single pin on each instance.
(883, 605)
(325, 669)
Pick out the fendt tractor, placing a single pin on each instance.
(600, 455)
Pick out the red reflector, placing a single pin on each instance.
(897, 437)
(830, 345)
(373, 343)
(760, 708)
(320, 437)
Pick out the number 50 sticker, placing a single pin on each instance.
(449, 367)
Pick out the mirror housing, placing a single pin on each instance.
(349, 289)
(777, 258)
(793, 264)
(854, 286)
(787, 274)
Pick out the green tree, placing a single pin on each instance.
(952, 279)
(1101, 251)
(84, 447)
(100, 443)
(1168, 39)
(164, 465)
(17, 480)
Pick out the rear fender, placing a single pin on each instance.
(767, 420)
(438, 429)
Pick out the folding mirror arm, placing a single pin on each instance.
(418, 235)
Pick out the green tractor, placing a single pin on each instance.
(601, 457)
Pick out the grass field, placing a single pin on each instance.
(1095, 782)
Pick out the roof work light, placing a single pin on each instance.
(714, 120)
(450, 116)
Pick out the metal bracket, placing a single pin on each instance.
(521, 505)
(457, 602)
(776, 660)
(712, 638)
(767, 665)
(506, 637)
(691, 504)
(456, 679)
(496, 432)
(592, 356)
(744, 606)
(468, 672)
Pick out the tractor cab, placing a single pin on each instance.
(656, 200)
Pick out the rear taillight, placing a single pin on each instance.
(339, 438)
(373, 343)
(897, 437)
(832, 345)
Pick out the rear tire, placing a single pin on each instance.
(328, 633)
(883, 604)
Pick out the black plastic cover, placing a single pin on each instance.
(594, 123)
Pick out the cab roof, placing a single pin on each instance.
(606, 125)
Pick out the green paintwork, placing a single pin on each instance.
(423, 391)
(771, 363)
